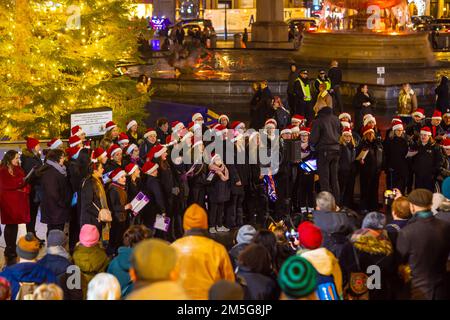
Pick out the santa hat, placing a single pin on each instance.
(296, 118)
(131, 168)
(236, 125)
(131, 123)
(446, 143)
(367, 129)
(220, 129)
(110, 125)
(113, 149)
(177, 126)
(31, 143)
(74, 141)
(149, 132)
(117, 174)
(346, 124)
(214, 156)
(55, 143)
(294, 128)
(368, 119)
(347, 130)
(76, 131)
(130, 148)
(97, 154)
(73, 151)
(123, 138)
(437, 115)
(196, 115)
(397, 126)
(419, 113)
(345, 115)
(425, 130)
(223, 116)
(194, 126)
(396, 119)
(156, 152)
(305, 130)
(150, 167)
(270, 123)
(286, 131)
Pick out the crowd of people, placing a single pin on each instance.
(300, 232)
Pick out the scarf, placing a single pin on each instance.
(58, 251)
(60, 168)
(221, 171)
(374, 242)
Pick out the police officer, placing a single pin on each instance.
(322, 78)
(303, 103)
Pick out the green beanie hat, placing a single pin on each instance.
(297, 277)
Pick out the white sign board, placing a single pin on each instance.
(92, 122)
(380, 81)
(380, 70)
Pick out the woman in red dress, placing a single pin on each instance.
(14, 201)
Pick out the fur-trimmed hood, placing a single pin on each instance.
(371, 241)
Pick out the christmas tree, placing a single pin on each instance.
(60, 56)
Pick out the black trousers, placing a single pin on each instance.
(347, 187)
(74, 227)
(54, 227)
(10, 235)
(337, 99)
(34, 208)
(235, 211)
(304, 108)
(197, 195)
(216, 212)
(328, 167)
(291, 103)
(118, 228)
(369, 190)
(305, 191)
(396, 179)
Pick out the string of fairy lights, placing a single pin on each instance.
(51, 67)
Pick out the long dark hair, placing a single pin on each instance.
(8, 158)
(268, 240)
(362, 85)
(256, 258)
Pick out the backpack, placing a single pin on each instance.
(26, 290)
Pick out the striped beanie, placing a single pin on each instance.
(297, 277)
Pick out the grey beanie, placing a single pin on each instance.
(245, 234)
(374, 220)
(56, 238)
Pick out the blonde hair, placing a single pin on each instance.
(48, 292)
(342, 141)
(104, 286)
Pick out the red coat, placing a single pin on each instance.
(14, 200)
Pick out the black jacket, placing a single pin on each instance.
(413, 130)
(257, 286)
(291, 81)
(75, 175)
(395, 150)
(326, 130)
(347, 158)
(145, 148)
(29, 161)
(117, 199)
(443, 101)
(234, 253)
(335, 75)
(428, 160)
(154, 190)
(218, 191)
(373, 162)
(162, 136)
(88, 197)
(360, 110)
(56, 196)
(425, 245)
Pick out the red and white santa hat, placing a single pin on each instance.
(123, 138)
(297, 119)
(347, 131)
(305, 130)
(110, 125)
(74, 141)
(156, 152)
(345, 115)
(220, 130)
(177, 126)
(131, 168)
(270, 123)
(425, 130)
(73, 151)
(131, 123)
(437, 115)
(236, 125)
(286, 130)
(130, 149)
(397, 125)
(369, 118)
(346, 124)
(192, 126)
(223, 116)
(196, 116)
(149, 132)
(170, 141)
(117, 174)
(76, 131)
(367, 129)
(419, 113)
(396, 119)
(55, 143)
(149, 167)
(112, 150)
(446, 143)
(97, 154)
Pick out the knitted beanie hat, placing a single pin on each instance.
(246, 234)
(28, 247)
(297, 277)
